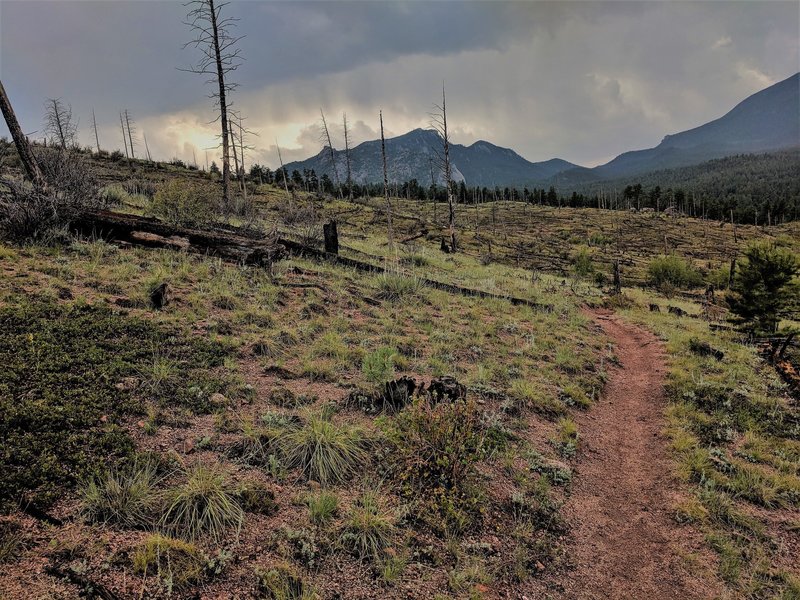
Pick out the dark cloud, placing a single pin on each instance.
(579, 80)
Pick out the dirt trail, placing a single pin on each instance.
(626, 544)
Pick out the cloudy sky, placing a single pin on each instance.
(582, 81)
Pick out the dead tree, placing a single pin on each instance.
(59, 124)
(124, 138)
(283, 170)
(440, 123)
(386, 189)
(347, 157)
(26, 156)
(331, 154)
(219, 57)
(243, 131)
(96, 137)
(235, 158)
(128, 121)
(147, 148)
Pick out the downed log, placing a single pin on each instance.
(705, 349)
(129, 228)
(245, 250)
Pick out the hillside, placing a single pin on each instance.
(766, 121)
(415, 155)
(228, 390)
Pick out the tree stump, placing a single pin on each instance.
(159, 297)
(331, 237)
(446, 388)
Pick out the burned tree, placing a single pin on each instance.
(124, 137)
(26, 156)
(146, 147)
(59, 124)
(94, 126)
(283, 170)
(128, 121)
(348, 171)
(440, 124)
(326, 139)
(219, 57)
(390, 233)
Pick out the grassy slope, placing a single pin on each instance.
(736, 437)
(541, 361)
(537, 362)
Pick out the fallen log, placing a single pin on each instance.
(244, 250)
(130, 228)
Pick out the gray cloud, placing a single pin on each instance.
(582, 81)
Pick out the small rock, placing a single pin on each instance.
(539, 566)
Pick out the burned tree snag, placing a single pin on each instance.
(617, 278)
(331, 237)
(26, 156)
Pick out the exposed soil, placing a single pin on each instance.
(625, 543)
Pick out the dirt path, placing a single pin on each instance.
(626, 544)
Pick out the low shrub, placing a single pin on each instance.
(181, 203)
(667, 272)
(395, 286)
(370, 528)
(125, 496)
(176, 563)
(203, 506)
(378, 366)
(283, 582)
(322, 507)
(437, 448)
(322, 450)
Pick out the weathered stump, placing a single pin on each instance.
(159, 297)
(331, 237)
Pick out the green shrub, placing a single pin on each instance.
(323, 451)
(181, 203)
(582, 262)
(175, 562)
(282, 582)
(125, 497)
(766, 286)
(673, 271)
(378, 366)
(203, 506)
(114, 195)
(322, 507)
(395, 286)
(370, 528)
(437, 448)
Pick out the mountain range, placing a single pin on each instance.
(766, 121)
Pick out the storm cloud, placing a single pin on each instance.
(579, 81)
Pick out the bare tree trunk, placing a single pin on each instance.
(347, 157)
(331, 153)
(241, 153)
(147, 148)
(386, 189)
(26, 156)
(96, 137)
(448, 174)
(223, 108)
(56, 122)
(124, 139)
(130, 135)
(235, 158)
(283, 170)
